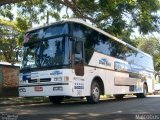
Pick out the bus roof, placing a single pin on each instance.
(75, 20)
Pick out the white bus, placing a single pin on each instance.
(74, 59)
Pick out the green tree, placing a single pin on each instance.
(12, 33)
(117, 17)
(8, 43)
(6, 12)
(151, 46)
(11, 37)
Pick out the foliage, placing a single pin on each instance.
(5, 11)
(11, 37)
(12, 33)
(151, 46)
(117, 17)
(8, 43)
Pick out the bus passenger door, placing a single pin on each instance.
(78, 58)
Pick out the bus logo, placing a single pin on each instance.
(56, 73)
(105, 62)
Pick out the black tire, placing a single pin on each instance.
(95, 93)
(119, 96)
(144, 94)
(56, 99)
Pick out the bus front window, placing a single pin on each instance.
(30, 52)
(47, 53)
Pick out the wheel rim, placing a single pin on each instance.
(145, 91)
(95, 93)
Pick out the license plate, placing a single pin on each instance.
(38, 88)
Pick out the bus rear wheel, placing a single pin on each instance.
(144, 94)
(95, 93)
(56, 99)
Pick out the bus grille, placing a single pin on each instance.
(39, 80)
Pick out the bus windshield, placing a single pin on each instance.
(46, 53)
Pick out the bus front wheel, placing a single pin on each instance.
(95, 93)
(56, 99)
(144, 94)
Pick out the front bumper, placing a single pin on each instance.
(54, 89)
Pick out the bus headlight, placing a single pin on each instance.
(22, 89)
(58, 79)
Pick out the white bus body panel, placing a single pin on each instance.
(102, 66)
(70, 85)
(110, 76)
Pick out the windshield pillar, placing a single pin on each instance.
(51, 52)
(78, 57)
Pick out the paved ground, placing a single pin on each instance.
(128, 108)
